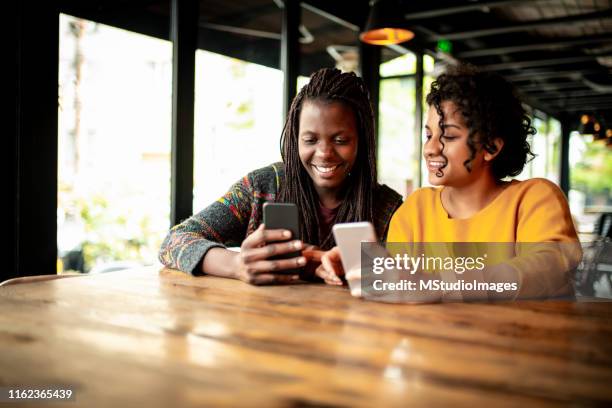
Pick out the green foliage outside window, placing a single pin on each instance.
(594, 172)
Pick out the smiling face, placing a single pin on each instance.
(327, 144)
(445, 155)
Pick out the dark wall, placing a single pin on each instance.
(33, 140)
(10, 143)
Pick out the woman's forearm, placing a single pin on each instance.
(220, 262)
(542, 274)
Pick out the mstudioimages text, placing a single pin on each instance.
(413, 264)
(437, 284)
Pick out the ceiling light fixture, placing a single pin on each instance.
(386, 24)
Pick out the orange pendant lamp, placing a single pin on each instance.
(386, 24)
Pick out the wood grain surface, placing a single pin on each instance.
(146, 338)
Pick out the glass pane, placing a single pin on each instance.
(301, 81)
(590, 180)
(114, 146)
(397, 163)
(238, 122)
(536, 167)
(428, 64)
(553, 143)
(546, 145)
(402, 65)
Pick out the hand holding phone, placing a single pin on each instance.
(277, 216)
(349, 237)
(254, 264)
(272, 254)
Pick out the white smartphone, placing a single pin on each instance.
(349, 237)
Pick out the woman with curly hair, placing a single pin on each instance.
(476, 139)
(328, 171)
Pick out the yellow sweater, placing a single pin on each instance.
(526, 211)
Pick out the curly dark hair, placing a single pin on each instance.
(329, 85)
(491, 109)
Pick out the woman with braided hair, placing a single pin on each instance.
(328, 171)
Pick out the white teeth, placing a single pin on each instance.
(325, 169)
(436, 164)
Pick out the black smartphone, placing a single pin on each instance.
(283, 216)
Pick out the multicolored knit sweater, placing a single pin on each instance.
(229, 220)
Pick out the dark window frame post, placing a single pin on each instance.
(418, 120)
(564, 179)
(290, 51)
(369, 67)
(184, 35)
(33, 169)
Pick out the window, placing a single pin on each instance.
(546, 145)
(590, 180)
(398, 146)
(238, 122)
(114, 146)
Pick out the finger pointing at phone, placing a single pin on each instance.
(331, 269)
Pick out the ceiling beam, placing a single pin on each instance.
(577, 94)
(232, 23)
(545, 87)
(584, 102)
(245, 15)
(538, 63)
(587, 108)
(529, 25)
(240, 30)
(329, 16)
(129, 19)
(568, 42)
(537, 74)
(484, 6)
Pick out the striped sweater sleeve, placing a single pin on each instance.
(223, 223)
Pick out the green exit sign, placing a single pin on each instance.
(445, 46)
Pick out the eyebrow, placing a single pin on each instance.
(446, 125)
(341, 132)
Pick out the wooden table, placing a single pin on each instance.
(149, 339)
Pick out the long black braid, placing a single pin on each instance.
(330, 85)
